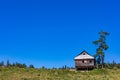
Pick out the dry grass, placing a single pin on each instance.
(51, 74)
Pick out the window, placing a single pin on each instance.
(90, 61)
(83, 53)
(82, 61)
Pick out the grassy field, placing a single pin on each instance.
(52, 74)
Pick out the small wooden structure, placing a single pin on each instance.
(84, 61)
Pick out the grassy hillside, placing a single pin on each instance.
(52, 74)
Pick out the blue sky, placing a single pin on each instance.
(51, 33)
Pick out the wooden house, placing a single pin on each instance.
(84, 61)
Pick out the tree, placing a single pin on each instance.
(8, 64)
(102, 46)
(19, 65)
(2, 63)
(13, 65)
(31, 66)
(24, 65)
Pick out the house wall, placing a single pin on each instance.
(84, 63)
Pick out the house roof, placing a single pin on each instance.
(84, 55)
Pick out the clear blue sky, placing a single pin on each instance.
(51, 33)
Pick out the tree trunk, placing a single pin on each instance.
(102, 62)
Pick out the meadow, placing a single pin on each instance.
(58, 74)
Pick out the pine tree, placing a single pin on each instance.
(8, 63)
(102, 46)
